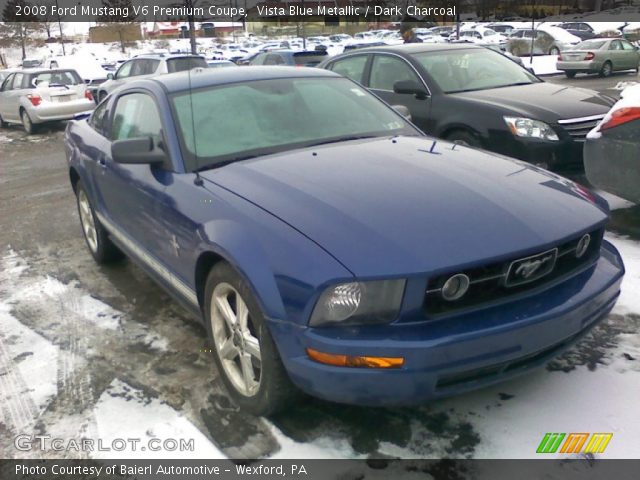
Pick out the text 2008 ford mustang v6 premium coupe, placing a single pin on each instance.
(326, 243)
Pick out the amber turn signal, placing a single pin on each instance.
(351, 361)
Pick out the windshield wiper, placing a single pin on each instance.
(340, 139)
(211, 166)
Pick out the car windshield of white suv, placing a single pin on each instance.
(477, 69)
(222, 124)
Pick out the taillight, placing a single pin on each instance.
(560, 57)
(590, 56)
(34, 99)
(87, 95)
(623, 115)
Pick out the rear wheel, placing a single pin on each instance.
(570, 74)
(27, 124)
(463, 137)
(244, 351)
(554, 51)
(101, 247)
(606, 69)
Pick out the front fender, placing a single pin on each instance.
(285, 269)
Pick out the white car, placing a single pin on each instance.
(482, 35)
(34, 96)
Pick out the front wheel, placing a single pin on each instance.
(462, 137)
(570, 74)
(244, 351)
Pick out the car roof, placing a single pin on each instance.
(204, 77)
(412, 48)
(166, 56)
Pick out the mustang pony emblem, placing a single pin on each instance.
(526, 269)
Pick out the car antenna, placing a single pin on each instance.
(198, 180)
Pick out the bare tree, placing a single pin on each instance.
(118, 23)
(16, 29)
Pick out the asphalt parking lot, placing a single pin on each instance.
(88, 351)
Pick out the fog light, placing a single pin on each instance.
(354, 361)
(583, 245)
(455, 287)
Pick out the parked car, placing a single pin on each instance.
(473, 95)
(87, 66)
(502, 28)
(579, 29)
(299, 58)
(550, 41)
(326, 243)
(31, 63)
(220, 63)
(148, 66)
(481, 35)
(32, 97)
(444, 31)
(611, 151)
(599, 55)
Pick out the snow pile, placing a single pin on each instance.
(542, 64)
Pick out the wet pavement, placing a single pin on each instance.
(84, 347)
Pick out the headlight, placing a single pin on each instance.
(527, 127)
(359, 302)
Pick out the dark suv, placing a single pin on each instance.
(479, 97)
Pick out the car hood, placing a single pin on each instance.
(409, 205)
(552, 102)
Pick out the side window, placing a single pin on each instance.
(17, 81)
(477, 34)
(135, 116)
(387, 70)
(351, 67)
(125, 70)
(6, 85)
(98, 118)
(615, 45)
(138, 67)
(274, 59)
(151, 67)
(626, 45)
(259, 60)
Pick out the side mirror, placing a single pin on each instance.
(110, 76)
(410, 87)
(137, 151)
(402, 110)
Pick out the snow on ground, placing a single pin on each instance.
(591, 389)
(542, 64)
(125, 412)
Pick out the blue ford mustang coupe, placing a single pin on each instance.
(328, 245)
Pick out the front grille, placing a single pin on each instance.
(488, 284)
(579, 127)
(95, 82)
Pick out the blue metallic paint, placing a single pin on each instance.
(293, 223)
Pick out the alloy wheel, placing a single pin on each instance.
(235, 339)
(87, 221)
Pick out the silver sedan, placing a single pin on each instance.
(33, 97)
(599, 55)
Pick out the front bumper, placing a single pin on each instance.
(564, 154)
(457, 354)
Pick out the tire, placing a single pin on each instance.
(570, 74)
(464, 137)
(3, 124)
(100, 246)
(554, 51)
(606, 70)
(27, 124)
(261, 385)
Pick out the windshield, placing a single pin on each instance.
(232, 122)
(309, 59)
(466, 70)
(185, 63)
(590, 45)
